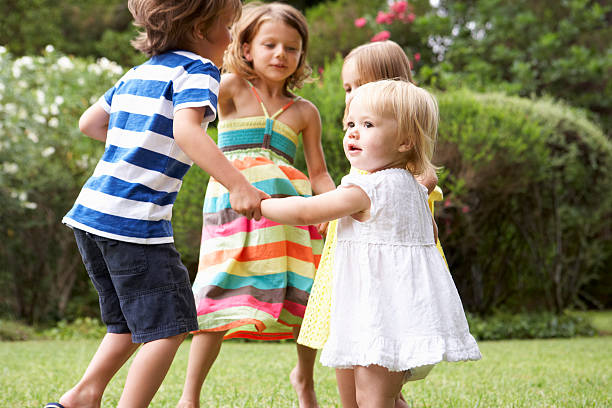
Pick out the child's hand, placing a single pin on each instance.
(246, 200)
(322, 228)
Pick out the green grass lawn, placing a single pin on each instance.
(520, 373)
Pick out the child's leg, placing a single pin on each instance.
(113, 352)
(302, 375)
(346, 387)
(204, 350)
(377, 387)
(148, 371)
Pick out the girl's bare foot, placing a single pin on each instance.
(307, 398)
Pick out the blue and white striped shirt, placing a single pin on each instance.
(130, 195)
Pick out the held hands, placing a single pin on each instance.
(246, 200)
(322, 228)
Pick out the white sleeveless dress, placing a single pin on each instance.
(394, 301)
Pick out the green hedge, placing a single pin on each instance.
(528, 184)
(503, 326)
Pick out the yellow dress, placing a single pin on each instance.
(315, 326)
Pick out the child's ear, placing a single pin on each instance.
(246, 51)
(404, 147)
(199, 30)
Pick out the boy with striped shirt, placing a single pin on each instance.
(152, 123)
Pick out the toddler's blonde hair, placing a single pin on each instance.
(166, 23)
(380, 60)
(415, 111)
(253, 16)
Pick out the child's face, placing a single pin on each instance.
(350, 78)
(217, 38)
(371, 142)
(275, 51)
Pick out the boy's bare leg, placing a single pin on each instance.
(302, 375)
(113, 352)
(377, 387)
(345, 377)
(148, 371)
(204, 350)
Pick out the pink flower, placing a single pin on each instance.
(465, 209)
(384, 18)
(360, 22)
(410, 17)
(417, 56)
(320, 70)
(382, 36)
(447, 202)
(399, 7)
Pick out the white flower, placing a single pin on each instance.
(30, 205)
(2, 87)
(40, 96)
(10, 168)
(22, 84)
(59, 100)
(10, 108)
(39, 118)
(25, 61)
(54, 109)
(94, 69)
(22, 113)
(110, 66)
(16, 71)
(81, 81)
(49, 48)
(82, 162)
(48, 151)
(64, 63)
(32, 136)
(22, 196)
(53, 122)
(44, 110)
(2, 50)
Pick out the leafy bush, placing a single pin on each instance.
(81, 328)
(16, 331)
(45, 160)
(502, 326)
(528, 185)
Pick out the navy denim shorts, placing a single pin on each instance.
(143, 289)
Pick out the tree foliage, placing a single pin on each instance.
(551, 47)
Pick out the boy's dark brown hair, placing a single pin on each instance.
(253, 16)
(166, 23)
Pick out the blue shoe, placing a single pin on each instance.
(54, 405)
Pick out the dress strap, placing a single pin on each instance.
(263, 107)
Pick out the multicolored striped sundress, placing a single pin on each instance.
(254, 277)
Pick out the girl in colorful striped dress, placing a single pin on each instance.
(255, 277)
